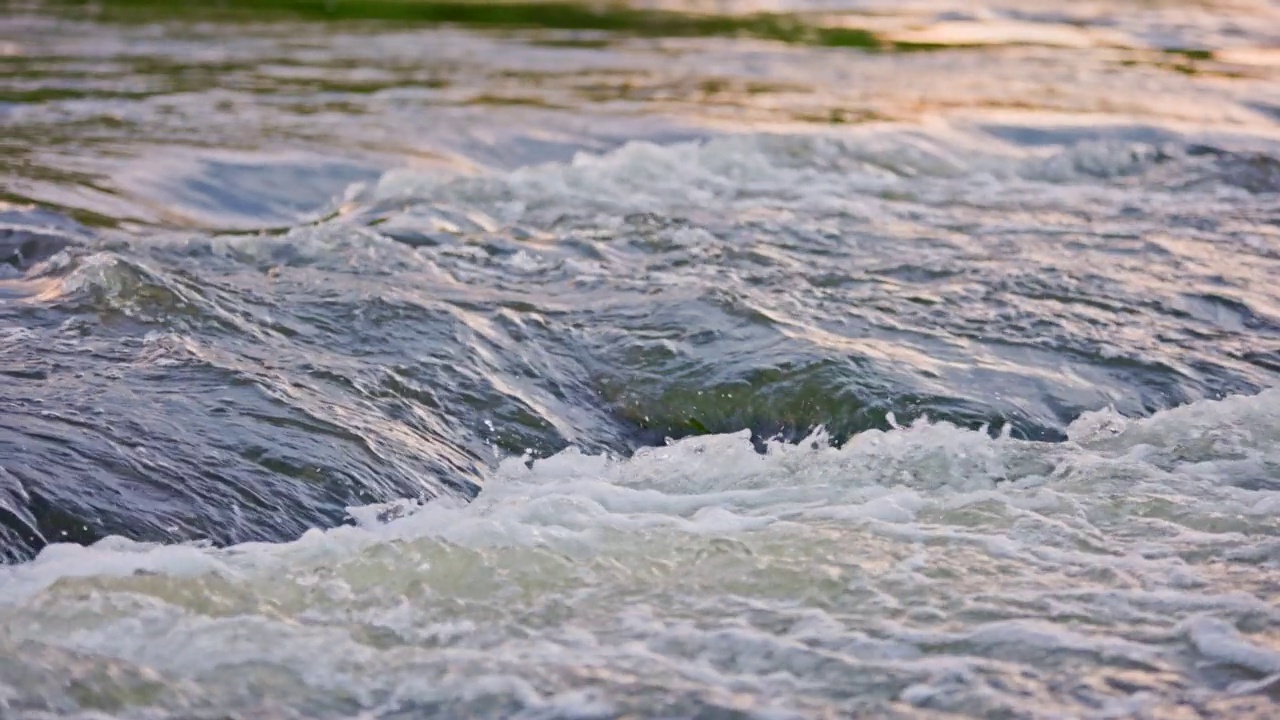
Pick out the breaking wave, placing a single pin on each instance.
(1126, 571)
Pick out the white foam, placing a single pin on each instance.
(707, 566)
(812, 172)
(1219, 641)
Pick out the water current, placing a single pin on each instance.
(809, 359)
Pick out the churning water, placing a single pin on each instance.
(804, 359)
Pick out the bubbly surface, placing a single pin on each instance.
(401, 359)
(1131, 571)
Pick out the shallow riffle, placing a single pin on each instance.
(1125, 572)
(763, 360)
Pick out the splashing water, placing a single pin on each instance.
(762, 360)
(1130, 571)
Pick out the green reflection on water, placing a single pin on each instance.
(615, 18)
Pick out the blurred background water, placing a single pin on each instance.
(581, 277)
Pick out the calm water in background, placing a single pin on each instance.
(853, 359)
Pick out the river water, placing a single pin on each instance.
(801, 359)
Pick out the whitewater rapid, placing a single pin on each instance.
(1131, 571)
(802, 359)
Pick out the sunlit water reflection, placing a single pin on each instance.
(589, 281)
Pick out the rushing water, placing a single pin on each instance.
(796, 359)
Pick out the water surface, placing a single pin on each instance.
(804, 359)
